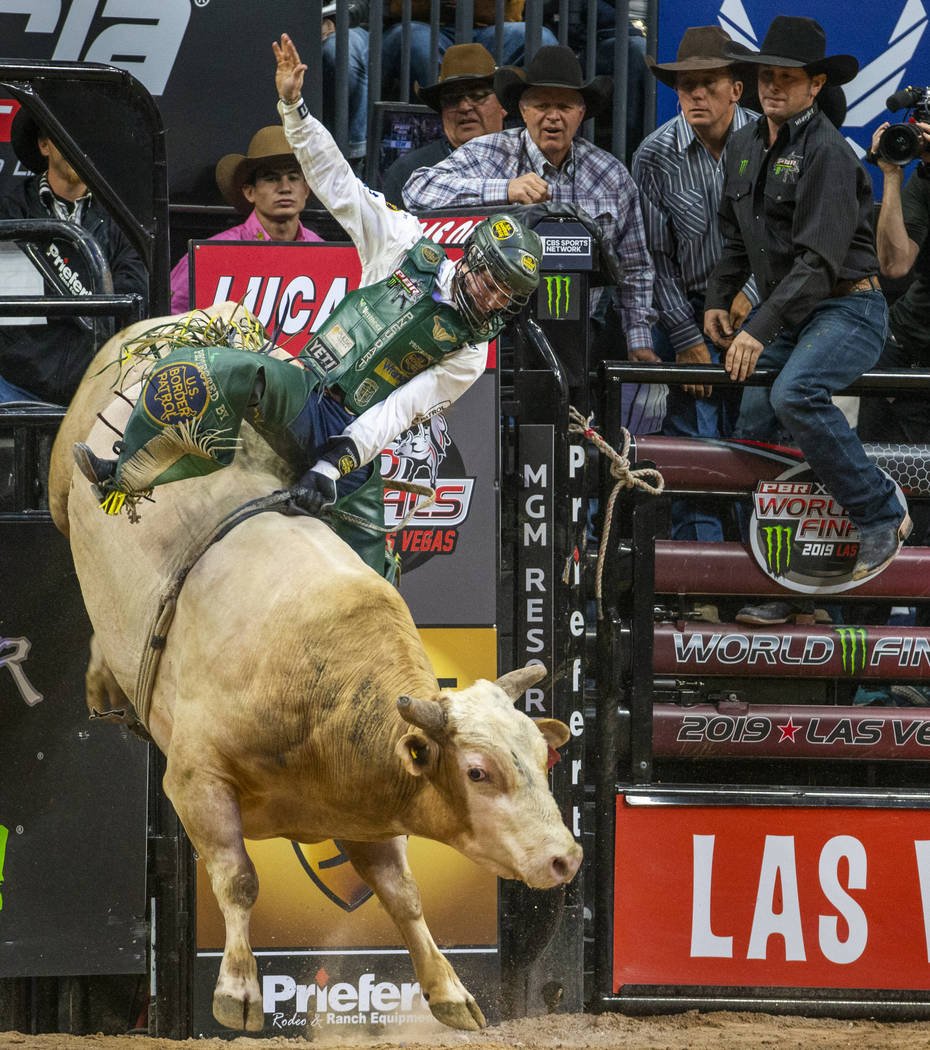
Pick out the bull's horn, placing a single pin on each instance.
(428, 715)
(516, 683)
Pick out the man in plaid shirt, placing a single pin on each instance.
(544, 161)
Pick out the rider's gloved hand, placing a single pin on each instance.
(313, 492)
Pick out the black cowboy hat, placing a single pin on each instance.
(702, 47)
(800, 43)
(552, 66)
(24, 135)
(461, 62)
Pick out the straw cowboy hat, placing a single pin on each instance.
(460, 62)
(801, 43)
(24, 135)
(552, 66)
(268, 147)
(702, 47)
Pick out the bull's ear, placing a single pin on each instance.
(516, 683)
(418, 753)
(556, 733)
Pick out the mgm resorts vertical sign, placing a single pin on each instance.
(550, 620)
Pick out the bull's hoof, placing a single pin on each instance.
(236, 1013)
(467, 1015)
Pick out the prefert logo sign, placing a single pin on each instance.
(556, 302)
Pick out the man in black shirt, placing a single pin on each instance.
(796, 214)
(45, 362)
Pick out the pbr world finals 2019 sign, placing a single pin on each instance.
(801, 537)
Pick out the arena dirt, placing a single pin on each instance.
(689, 1031)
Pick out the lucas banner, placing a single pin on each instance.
(771, 897)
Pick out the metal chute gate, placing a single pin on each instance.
(740, 779)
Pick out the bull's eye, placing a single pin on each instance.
(477, 774)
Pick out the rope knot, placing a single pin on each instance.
(646, 478)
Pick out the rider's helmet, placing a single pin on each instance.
(497, 274)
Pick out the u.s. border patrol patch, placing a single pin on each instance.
(176, 393)
(503, 229)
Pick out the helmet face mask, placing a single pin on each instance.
(497, 274)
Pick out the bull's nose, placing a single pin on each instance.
(564, 866)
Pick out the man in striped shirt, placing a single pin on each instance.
(679, 171)
(545, 161)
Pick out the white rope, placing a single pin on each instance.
(626, 478)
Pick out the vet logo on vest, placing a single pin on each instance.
(801, 537)
(176, 393)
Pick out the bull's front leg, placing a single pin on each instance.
(383, 865)
(209, 811)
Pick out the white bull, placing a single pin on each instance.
(294, 698)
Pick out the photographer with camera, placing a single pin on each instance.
(903, 250)
(901, 231)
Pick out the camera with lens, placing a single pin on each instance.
(901, 143)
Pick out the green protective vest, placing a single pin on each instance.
(384, 334)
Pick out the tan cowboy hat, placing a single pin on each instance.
(801, 43)
(557, 67)
(268, 146)
(702, 47)
(460, 62)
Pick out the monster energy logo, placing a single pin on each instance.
(555, 284)
(854, 648)
(777, 548)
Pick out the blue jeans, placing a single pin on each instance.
(696, 518)
(512, 51)
(358, 88)
(842, 339)
(11, 392)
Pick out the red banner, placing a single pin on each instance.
(771, 897)
(291, 288)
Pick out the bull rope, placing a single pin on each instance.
(280, 500)
(626, 477)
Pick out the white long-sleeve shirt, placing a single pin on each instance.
(382, 235)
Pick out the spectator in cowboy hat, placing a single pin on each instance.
(39, 360)
(544, 161)
(464, 97)
(266, 185)
(797, 214)
(680, 178)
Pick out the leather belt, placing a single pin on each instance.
(864, 284)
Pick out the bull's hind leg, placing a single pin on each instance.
(383, 865)
(209, 810)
